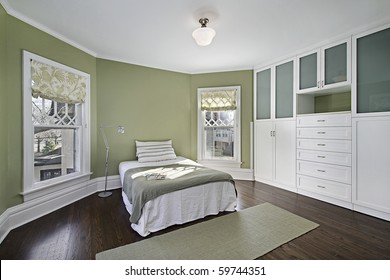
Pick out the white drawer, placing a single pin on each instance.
(336, 132)
(342, 146)
(325, 120)
(325, 187)
(325, 157)
(337, 173)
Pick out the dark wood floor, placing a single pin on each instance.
(93, 224)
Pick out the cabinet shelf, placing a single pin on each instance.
(326, 91)
(323, 103)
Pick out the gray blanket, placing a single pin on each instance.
(140, 187)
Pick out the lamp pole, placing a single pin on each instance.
(121, 130)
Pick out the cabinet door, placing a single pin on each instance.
(263, 94)
(285, 152)
(264, 150)
(308, 72)
(336, 65)
(371, 168)
(284, 90)
(373, 72)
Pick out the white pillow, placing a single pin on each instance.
(148, 151)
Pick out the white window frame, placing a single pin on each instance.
(229, 163)
(33, 190)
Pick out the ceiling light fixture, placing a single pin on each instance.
(203, 35)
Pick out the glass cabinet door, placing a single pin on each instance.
(308, 71)
(373, 72)
(284, 90)
(263, 94)
(335, 64)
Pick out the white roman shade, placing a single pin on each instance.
(52, 83)
(224, 100)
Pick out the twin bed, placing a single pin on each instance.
(160, 190)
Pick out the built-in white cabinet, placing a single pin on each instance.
(371, 172)
(325, 69)
(322, 128)
(324, 157)
(371, 73)
(371, 122)
(275, 153)
(274, 129)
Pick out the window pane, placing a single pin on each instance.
(220, 118)
(308, 71)
(47, 112)
(284, 90)
(263, 93)
(336, 64)
(373, 72)
(54, 152)
(219, 143)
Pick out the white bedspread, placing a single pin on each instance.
(180, 206)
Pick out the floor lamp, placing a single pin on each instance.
(121, 130)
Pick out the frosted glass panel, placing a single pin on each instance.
(308, 71)
(336, 64)
(284, 90)
(373, 72)
(263, 94)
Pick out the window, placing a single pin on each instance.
(56, 115)
(219, 125)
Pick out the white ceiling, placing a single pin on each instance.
(157, 33)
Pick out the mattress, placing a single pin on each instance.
(181, 206)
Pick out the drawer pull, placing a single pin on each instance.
(321, 132)
(322, 145)
(320, 170)
(320, 120)
(321, 156)
(322, 187)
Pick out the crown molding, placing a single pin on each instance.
(10, 11)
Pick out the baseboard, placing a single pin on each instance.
(236, 172)
(28, 211)
(331, 200)
(372, 212)
(276, 184)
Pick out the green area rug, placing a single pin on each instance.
(246, 234)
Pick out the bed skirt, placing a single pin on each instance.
(183, 206)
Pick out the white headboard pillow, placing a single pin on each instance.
(148, 151)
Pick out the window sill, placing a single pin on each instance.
(220, 163)
(55, 186)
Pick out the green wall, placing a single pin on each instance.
(233, 78)
(21, 36)
(333, 103)
(152, 104)
(3, 112)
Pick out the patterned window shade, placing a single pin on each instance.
(219, 100)
(52, 83)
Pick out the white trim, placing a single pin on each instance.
(58, 186)
(354, 73)
(371, 212)
(237, 173)
(377, 25)
(44, 28)
(35, 208)
(328, 199)
(272, 183)
(251, 139)
(237, 129)
(28, 134)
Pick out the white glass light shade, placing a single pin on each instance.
(203, 35)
